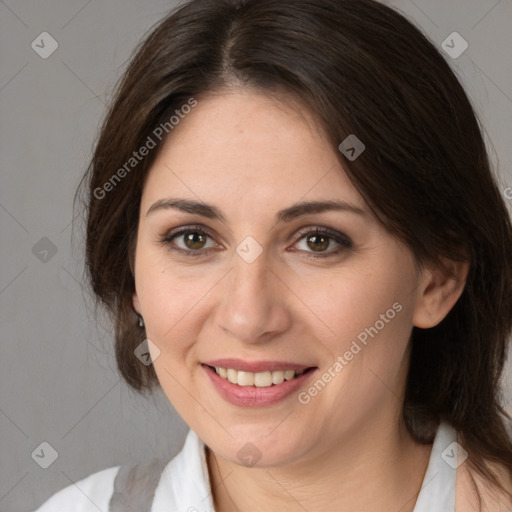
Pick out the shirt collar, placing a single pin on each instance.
(438, 487)
(185, 484)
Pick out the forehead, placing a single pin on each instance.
(243, 144)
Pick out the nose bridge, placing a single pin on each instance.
(251, 279)
(252, 305)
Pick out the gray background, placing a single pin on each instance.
(58, 377)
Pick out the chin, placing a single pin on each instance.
(251, 448)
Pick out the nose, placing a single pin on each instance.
(253, 306)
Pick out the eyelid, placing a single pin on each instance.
(338, 236)
(344, 242)
(166, 238)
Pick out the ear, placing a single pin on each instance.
(439, 292)
(136, 303)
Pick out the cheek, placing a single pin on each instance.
(172, 300)
(347, 302)
(365, 317)
(336, 306)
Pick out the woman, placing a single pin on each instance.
(294, 224)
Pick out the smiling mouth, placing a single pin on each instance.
(257, 379)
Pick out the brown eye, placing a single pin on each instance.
(318, 243)
(190, 242)
(194, 240)
(323, 242)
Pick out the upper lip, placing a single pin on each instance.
(257, 366)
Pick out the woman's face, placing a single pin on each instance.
(249, 282)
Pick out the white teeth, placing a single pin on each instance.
(232, 376)
(259, 379)
(289, 374)
(245, 378)
(263, 379)
(277, 377)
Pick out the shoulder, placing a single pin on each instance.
(493, 500)
(90, 493)
(173, 484)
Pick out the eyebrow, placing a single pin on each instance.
(286, 215)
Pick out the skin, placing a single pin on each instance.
(347, 449)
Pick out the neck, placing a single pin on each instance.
(381, 469)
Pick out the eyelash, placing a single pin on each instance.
(343, 241)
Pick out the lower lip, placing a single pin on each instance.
(252, 396)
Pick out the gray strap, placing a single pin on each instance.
(135, 486)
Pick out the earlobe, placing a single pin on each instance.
(438, 293)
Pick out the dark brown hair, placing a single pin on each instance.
(360, 68)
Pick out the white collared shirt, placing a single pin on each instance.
(184, 484)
